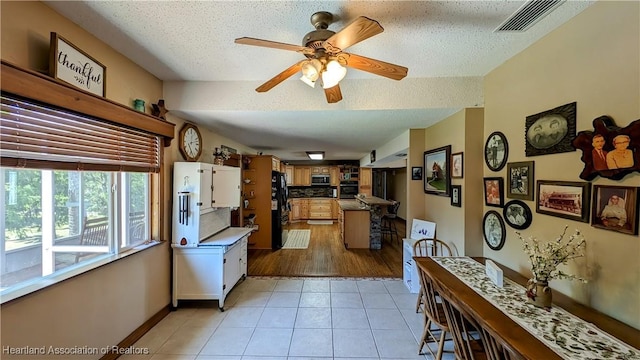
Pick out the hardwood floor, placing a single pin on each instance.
(326, 256)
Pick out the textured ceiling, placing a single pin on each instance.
(448, 47)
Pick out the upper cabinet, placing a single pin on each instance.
(334, 175)
(225, 186)
(212, 186)
(365, 181)
(320, 170)
(302, 176)
(275, 164)
(289, 174)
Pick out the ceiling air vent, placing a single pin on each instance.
(528, 14)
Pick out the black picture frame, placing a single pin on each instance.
(604, 136)
(493, 191)
(565, 199)
(605, 211)
(416, 173)
(457, 165)
(493, 230)
(517, 214)
(456, 195)
(496, 151)
(521, 180)
(551, 131)
(437, 172)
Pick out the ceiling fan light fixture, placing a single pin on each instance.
(333, 74)
(315, 155)
(311, 71)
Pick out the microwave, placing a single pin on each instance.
(320, 180)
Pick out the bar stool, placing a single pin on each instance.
(388, 225)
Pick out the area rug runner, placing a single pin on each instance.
(297, 239)
(320, 222)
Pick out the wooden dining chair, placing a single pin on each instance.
(434, 316)
(467, 334)
(495, 350)
(429, 247)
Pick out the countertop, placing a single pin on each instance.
(226, 237)
(373, 200)
(351, 205)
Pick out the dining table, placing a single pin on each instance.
(566, 330)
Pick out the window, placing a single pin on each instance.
(63, 218)
(74, 189)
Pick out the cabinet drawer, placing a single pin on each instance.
(319, 215)
(320, 208)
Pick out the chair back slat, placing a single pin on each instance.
(431, 247)
(462, 325)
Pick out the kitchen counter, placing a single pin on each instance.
(373, 200)
(351, 205)
(225, 237)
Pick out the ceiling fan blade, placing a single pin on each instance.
(333, 94)
(273, 45)
(391, 71)
(359, 29)
(280, 77)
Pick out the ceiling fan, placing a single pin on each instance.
(325, 57)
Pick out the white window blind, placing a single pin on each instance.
(34, 135)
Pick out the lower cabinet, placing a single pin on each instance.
(208, 273)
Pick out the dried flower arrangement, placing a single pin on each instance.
(545, 257)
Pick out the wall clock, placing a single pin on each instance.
(190, 142)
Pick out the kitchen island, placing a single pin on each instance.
(361, 220)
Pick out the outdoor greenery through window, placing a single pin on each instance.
(54, 219)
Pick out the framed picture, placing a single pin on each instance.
(565, 199)
(517, 214)
(457, 165)
(520, 180)
(416, 173)
(493, 195)
(73, 66)
(493, 230)
(609, 151)
(456, 195)
(496, 151)
(615, 208)
(437, 179)
(551, 131)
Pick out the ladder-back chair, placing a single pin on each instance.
(429, 247)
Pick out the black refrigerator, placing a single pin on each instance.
(279, 210)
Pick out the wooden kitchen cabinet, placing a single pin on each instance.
(354, 228)
(334, 175)
(320, 208)
(335, 209)
(320, 170)
(365, 184)
(289, 173)
(275, 164)
(302, 176)
(295, 210)
(304, 209)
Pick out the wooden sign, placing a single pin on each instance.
(72, 65)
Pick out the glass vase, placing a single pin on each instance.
(539, 293)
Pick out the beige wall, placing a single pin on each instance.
(463, 131)
(102, 307)
(593, 60)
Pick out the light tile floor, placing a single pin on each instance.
(293, 319)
